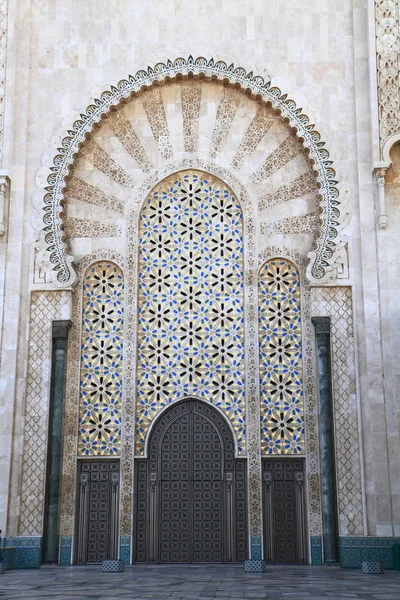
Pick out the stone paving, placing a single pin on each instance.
(194, 582)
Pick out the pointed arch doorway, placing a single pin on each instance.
(191, 491)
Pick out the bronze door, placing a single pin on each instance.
(97, 524)
(284, 513)
(191, 498)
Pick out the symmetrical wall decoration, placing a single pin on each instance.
(281, 370)
(53, 236)
(101, 361)
(46, 307)
(388, 67)
(336, 302)
(190, 314)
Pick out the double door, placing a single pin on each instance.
(191, 492)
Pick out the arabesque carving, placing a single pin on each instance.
(387, 63)
(54, 241)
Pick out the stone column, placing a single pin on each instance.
(59, 363)
(380, 174)
(329, 509)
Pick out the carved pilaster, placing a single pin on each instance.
(380, 174)
(3, 61)
(4, 195)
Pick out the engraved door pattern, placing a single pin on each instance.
(191, 493)
(284, 514)
(97, 529)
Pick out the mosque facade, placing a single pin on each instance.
(200, 278)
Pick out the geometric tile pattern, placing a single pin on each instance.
(316, 550)
(281, 371)
(355, 550)
(125, 548)
(336, 302)
(26, 553)
(101, 361)
(190, 316)
(65, 552)
(45, 308)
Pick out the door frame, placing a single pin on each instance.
(81, 511)
(146, 523)
(268, 512)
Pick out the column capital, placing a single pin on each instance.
(380, 174)
(60, 329)
(4, 188)
(322, 325)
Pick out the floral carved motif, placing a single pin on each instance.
(387, 59)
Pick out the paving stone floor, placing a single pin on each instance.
(205, 582)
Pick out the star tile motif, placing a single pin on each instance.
(101, 361)
(190, 317)
(281, 383)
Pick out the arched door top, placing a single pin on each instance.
(208, 411)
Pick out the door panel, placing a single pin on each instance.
(284, 518)
(97, 531)
(191, 492)
(175, 492)
(208, 500)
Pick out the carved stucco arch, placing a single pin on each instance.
(387, 147)
(54, 247)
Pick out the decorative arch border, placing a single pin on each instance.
(386, 148)
(56, 245)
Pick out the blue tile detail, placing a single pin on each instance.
(65, 551)
(27, 552)
(316, 550)
(125, 549)
(255, 566)
(255, 547)
(355, 549)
